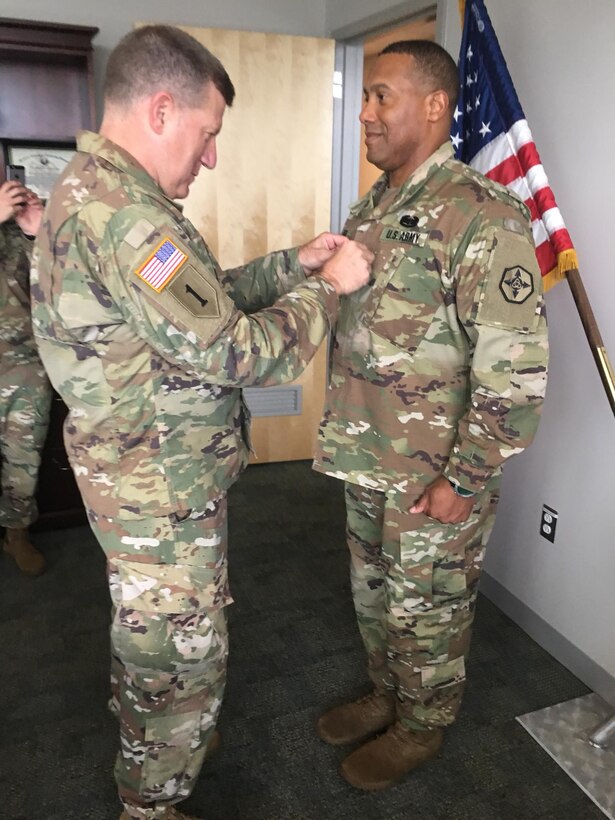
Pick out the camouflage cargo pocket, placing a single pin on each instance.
(169, 742)
(433, 563)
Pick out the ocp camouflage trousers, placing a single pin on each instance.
(169, 649)
(25, 396)
(414, 586)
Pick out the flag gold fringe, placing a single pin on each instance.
(462, 10)
(566, 260)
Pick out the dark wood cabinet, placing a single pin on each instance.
(46, 96)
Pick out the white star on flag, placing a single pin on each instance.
(498, 142)
(484, 130)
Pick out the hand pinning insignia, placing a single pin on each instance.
(517, 284)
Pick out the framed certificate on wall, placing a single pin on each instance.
(43, 165)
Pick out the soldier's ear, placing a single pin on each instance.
(160, 109)
(437, 105)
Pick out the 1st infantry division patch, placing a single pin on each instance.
(159, 268)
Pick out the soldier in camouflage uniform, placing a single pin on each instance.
(25, 393)
(437, 377)
(148, 342)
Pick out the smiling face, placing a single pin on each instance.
(398, 117)
(189, 142)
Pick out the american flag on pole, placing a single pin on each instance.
(158, 269)
(490, 133)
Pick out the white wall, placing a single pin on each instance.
(345, 18)
(115, 17)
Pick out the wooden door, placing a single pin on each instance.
(271, 188)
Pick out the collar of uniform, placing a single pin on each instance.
(368, 202)
(91, 143)
(414, 183)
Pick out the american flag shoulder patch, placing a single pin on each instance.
(159, 268)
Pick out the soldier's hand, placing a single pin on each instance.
(30, 215)
(12, 197)
(319, 250)
(439, 501)
(350, 268)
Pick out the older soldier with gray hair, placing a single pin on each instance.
(148, 342)
(438, 376)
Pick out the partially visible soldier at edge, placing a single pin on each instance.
(147, 341)
(438, 376)
(25, 392)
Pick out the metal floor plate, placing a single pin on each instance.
(562, 731)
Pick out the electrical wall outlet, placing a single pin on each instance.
(548, 523)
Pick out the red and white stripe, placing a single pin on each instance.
(156, 273)
(513, 160)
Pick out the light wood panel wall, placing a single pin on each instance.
(271, 188)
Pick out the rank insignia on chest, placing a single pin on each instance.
(406, 237)
(517, 284)
(159, 268)
(409, 220)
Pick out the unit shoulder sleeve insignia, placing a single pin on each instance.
(511, 292)
(517, 284)
(195, 293)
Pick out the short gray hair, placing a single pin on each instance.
(155, 58)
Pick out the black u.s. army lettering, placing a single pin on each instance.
(407, 237)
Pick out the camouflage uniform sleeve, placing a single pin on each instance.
(189, 318)
(21, 253)
(258, 284)
(500, 304)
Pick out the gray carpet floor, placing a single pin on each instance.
(295, 651)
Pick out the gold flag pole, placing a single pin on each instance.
(592, 332)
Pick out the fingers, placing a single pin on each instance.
(13, 188)
(350, 268)
(313, 255)
(328, 240)
(336, 240)
(12, 199)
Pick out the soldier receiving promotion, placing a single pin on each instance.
(148, 342)
(25, 392)
(437, 377)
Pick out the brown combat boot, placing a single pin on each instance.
(17, 544)
(385, 760)
(171, 813)
(214, 744)
(356, 721)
